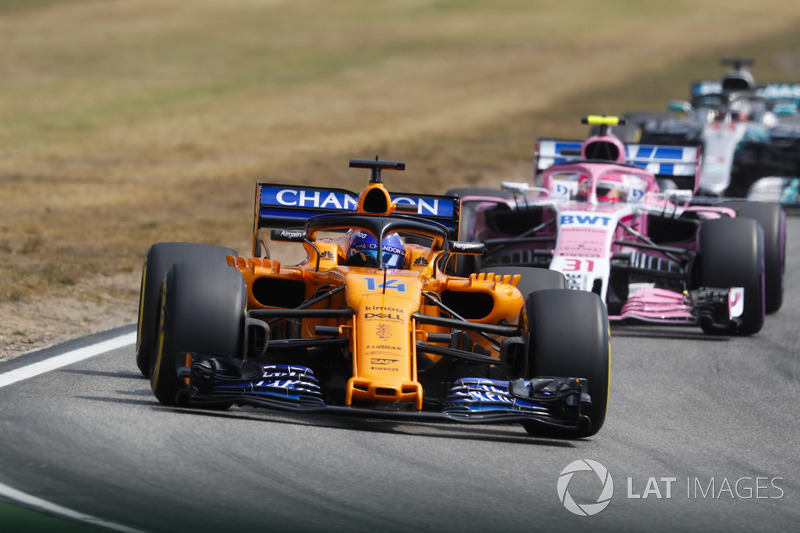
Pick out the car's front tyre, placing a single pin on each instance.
(202, 311)
(772, 218)
(732, 255)
(570, 338)
(157, 262)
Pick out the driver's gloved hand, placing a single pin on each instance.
(362, 259)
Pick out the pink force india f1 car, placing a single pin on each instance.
(599, 216)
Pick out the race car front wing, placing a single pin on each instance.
(542, 402)
(716, 308)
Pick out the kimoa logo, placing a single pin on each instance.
(585, 509)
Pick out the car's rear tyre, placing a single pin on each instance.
(202, 310)
(532, 279)
(732, 255)
(772, 218)
(570, 338)
(158, 260)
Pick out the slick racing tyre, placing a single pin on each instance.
(570, 338)
(158, 260)
(772, 218)
(532, 279)
(732, 255)
(202, 311)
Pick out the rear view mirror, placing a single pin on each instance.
(679, 105)
(466, 247)
(288, 235)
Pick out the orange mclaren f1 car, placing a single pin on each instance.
(373, 322)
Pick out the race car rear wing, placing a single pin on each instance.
(289, 206)
(777, 91)
(680, 164)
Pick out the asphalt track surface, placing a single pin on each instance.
(702, 434)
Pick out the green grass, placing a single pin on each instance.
(16, 519)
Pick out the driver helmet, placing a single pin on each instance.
(392, 250)
(741, 110)
(611, 189)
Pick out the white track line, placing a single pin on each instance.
(13, 495)
(65, 359)
(29, 501)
